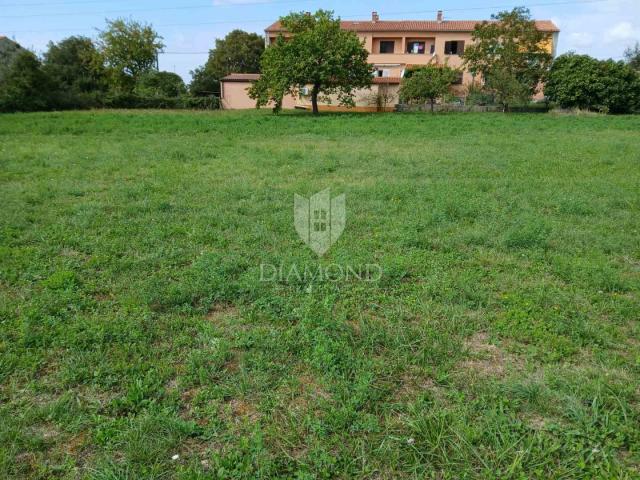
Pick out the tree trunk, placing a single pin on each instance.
(314, 98)
(432, 102)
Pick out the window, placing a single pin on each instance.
(387, 46)
(455, 47)
(432, 50)
(381, 72)
(415, 47)
(458, 80)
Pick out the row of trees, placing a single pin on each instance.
(511, 56)
(580, 81)
(118, 70)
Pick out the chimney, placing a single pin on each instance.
(375, 17)
(439, 17)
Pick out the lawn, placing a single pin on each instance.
(139, 340)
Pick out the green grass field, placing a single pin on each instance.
(502, 340)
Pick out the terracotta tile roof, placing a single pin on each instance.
(417, 26)
(250, 77)
(241, 77)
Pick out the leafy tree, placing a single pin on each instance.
(506, 88)
(160, 84)
(427, 83)
(24, 86)
(632, 56)
(74, 65)
(238, 52)
(317, 53)
(510, 53)
(203, 83)
(8, 50)
(580, 81)
(129, 49)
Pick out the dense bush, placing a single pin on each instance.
(8, 50)
(427, 83)
(118, 72)
(74, 66)
(130, 100)
(160, 84)
(580, 81)
(24, 85)
(476, 94)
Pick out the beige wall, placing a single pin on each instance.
(235, 96)
(396, 62)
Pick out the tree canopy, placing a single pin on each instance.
(510, 53)
(632, 56)
(24, 86)
(8, 51)
(238, 52)
(129, 49)
(74, 64)
(580, 81)
(427, 83)
(158, 84)
(316, 53)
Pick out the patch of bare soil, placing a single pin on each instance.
(414, 383)
(487, 359)
(241, 409)
(221, 311)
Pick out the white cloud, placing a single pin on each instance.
(621, 31)
(603, 29)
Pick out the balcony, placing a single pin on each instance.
(419, 50)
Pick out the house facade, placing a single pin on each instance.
(394, 46)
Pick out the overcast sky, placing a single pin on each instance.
(601, 28)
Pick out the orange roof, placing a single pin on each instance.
(241, 77)
(417, 26)
(250, 77)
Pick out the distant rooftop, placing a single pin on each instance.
(438, 25)
(241, 77)
(250, 77)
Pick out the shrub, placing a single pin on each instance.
(580, 81)
(427, 84)
(130, 100)
(160, 84)
(477, 95)
(25, 87)
(380, 98)
(74, 65)
(507, 88)
(8, 51)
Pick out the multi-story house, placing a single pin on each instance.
(393, 46)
